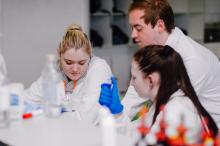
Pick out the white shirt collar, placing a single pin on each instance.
(174, 37)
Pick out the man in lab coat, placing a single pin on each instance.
(152, 22)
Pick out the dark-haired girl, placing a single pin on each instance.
(158, 73)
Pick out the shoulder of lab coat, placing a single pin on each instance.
(34, 92)
(98, 72)
(197, 59)
(203, 68)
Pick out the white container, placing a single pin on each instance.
(4, 107)
(16, 110)
(107, 124)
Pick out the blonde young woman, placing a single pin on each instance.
(82, 72)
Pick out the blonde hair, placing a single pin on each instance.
(75, 38)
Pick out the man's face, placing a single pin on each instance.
(143, 34)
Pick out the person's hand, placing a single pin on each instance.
(31, 106)
(109, 97)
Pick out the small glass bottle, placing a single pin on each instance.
(52, 87)
(4, 107)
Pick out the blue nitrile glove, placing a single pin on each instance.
(105, 95)
(31, 106)
(116, 106)
(110, 98)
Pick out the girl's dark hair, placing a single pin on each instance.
(169, 64)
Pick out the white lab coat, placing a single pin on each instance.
(84, 98)
(203, 68)
(179, 109)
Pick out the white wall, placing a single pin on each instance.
(0, 25)
(32, 29)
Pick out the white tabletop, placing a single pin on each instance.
(63, 131)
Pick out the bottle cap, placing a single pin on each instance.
(16, 88)
(51, 57)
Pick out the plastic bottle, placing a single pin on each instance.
(4, 96)
(4, 107)
(53, 88)
(108, 130)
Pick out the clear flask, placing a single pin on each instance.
(52, 87)
(4, 107)
(4, 96)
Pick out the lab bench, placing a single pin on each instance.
(62, 131)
